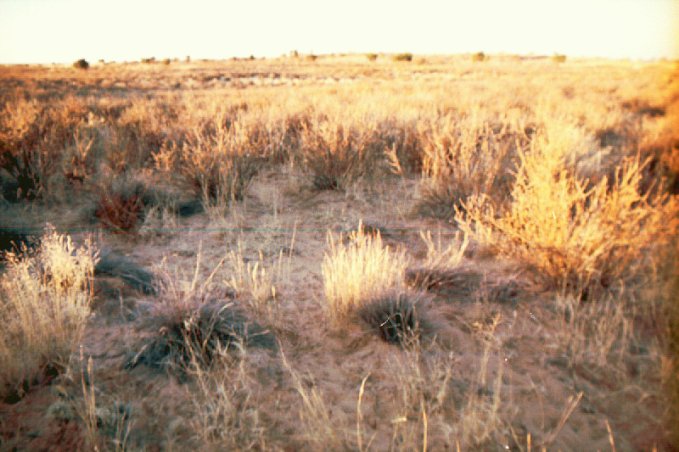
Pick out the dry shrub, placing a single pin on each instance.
(479, 56)
(45, 304)
(219, 163)
(20, 155)
(32, 138)
(81, 64)
(402, 144)
(403, 57)
(576, 237)
(337, 153)
(121, 203)
(463, 158)
(356, 273)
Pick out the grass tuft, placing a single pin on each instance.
(46, 296)
(394, 316)
(358, 272)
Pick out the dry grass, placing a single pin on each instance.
(338, 153)
(194, 323)
(358, 272)
(226, 413)
(256, 283)
(46, 298)
(467, 157)
(567, 169)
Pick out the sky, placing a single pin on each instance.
(62, 31)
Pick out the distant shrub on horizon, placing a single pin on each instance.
(81, 64)
(559, 58)
(403, 57)
(371, 56)
(479, 56)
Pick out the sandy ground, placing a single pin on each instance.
(526, 373)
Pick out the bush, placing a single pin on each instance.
(337, 154)
(220, 163)
(578, 236)
(121, 204)
(479, 56)
(46, 297)
(371, 56)
(559, 58)
(311, 57)
(403, 57)
(81, 64)
(463, 158)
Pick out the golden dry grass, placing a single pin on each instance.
(357, 272)
(46, 296)
(558, 176)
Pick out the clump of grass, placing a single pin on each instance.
(421, 396)
(193, 323)
(403, 57)
(46, 296)
(559, 58)
(26, 160)
(480, 416)
(358, 272)
(115, 265)
(576, 235)
(256, 283)
(371, 56)
(394, 316)
(442, 260)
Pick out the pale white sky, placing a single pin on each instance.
(45, 31)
